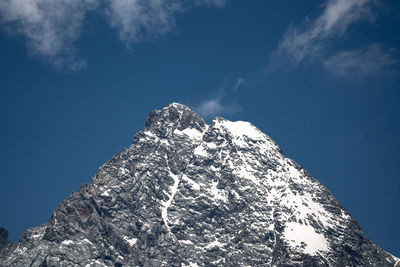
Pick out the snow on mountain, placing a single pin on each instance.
(190, 194)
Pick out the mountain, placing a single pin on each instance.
(190, 194)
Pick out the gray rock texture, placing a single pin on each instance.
(190, 194)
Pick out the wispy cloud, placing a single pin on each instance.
(239, 82)
(372, 59)
(215, 107)
(138, 20)
(52, 27)
(312, 42)
(309, 40)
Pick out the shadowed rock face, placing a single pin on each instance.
(190, 194)
(3, 237)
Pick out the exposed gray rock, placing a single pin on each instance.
(190, 194)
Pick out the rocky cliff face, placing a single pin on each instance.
(190, 194)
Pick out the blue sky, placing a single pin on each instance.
(78, 79)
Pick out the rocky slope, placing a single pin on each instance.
(190, 194)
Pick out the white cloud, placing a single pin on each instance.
(365, 61)
(239, 82)
(214, 107)
(52, 27)
(310, 39)
(137, 20)
(210, 107)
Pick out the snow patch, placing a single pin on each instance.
(200, 151)
(211, 145)
(87, 241)
(94, 263)
(190, 132)
(214, 244)
(217, 193)
(132, 241)
(298, 234)
(242, 128)
(193, 184)
(106, 193)
(245, 169)
(38, 235)
(123, 171)
(187, 242)
(243, 172)
(191, 264)
(67, 242)
(20, 250)
(174, 189)
(148, 133)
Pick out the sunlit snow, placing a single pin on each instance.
(299, 235)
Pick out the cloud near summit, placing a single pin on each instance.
(51, 28)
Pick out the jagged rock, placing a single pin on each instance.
(190, 194)
(3, 237)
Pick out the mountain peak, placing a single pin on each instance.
(174, 116)
(190, 194)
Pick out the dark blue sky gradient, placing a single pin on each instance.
(58, 127)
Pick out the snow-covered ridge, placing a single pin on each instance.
(240, 128)
(298, 234)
